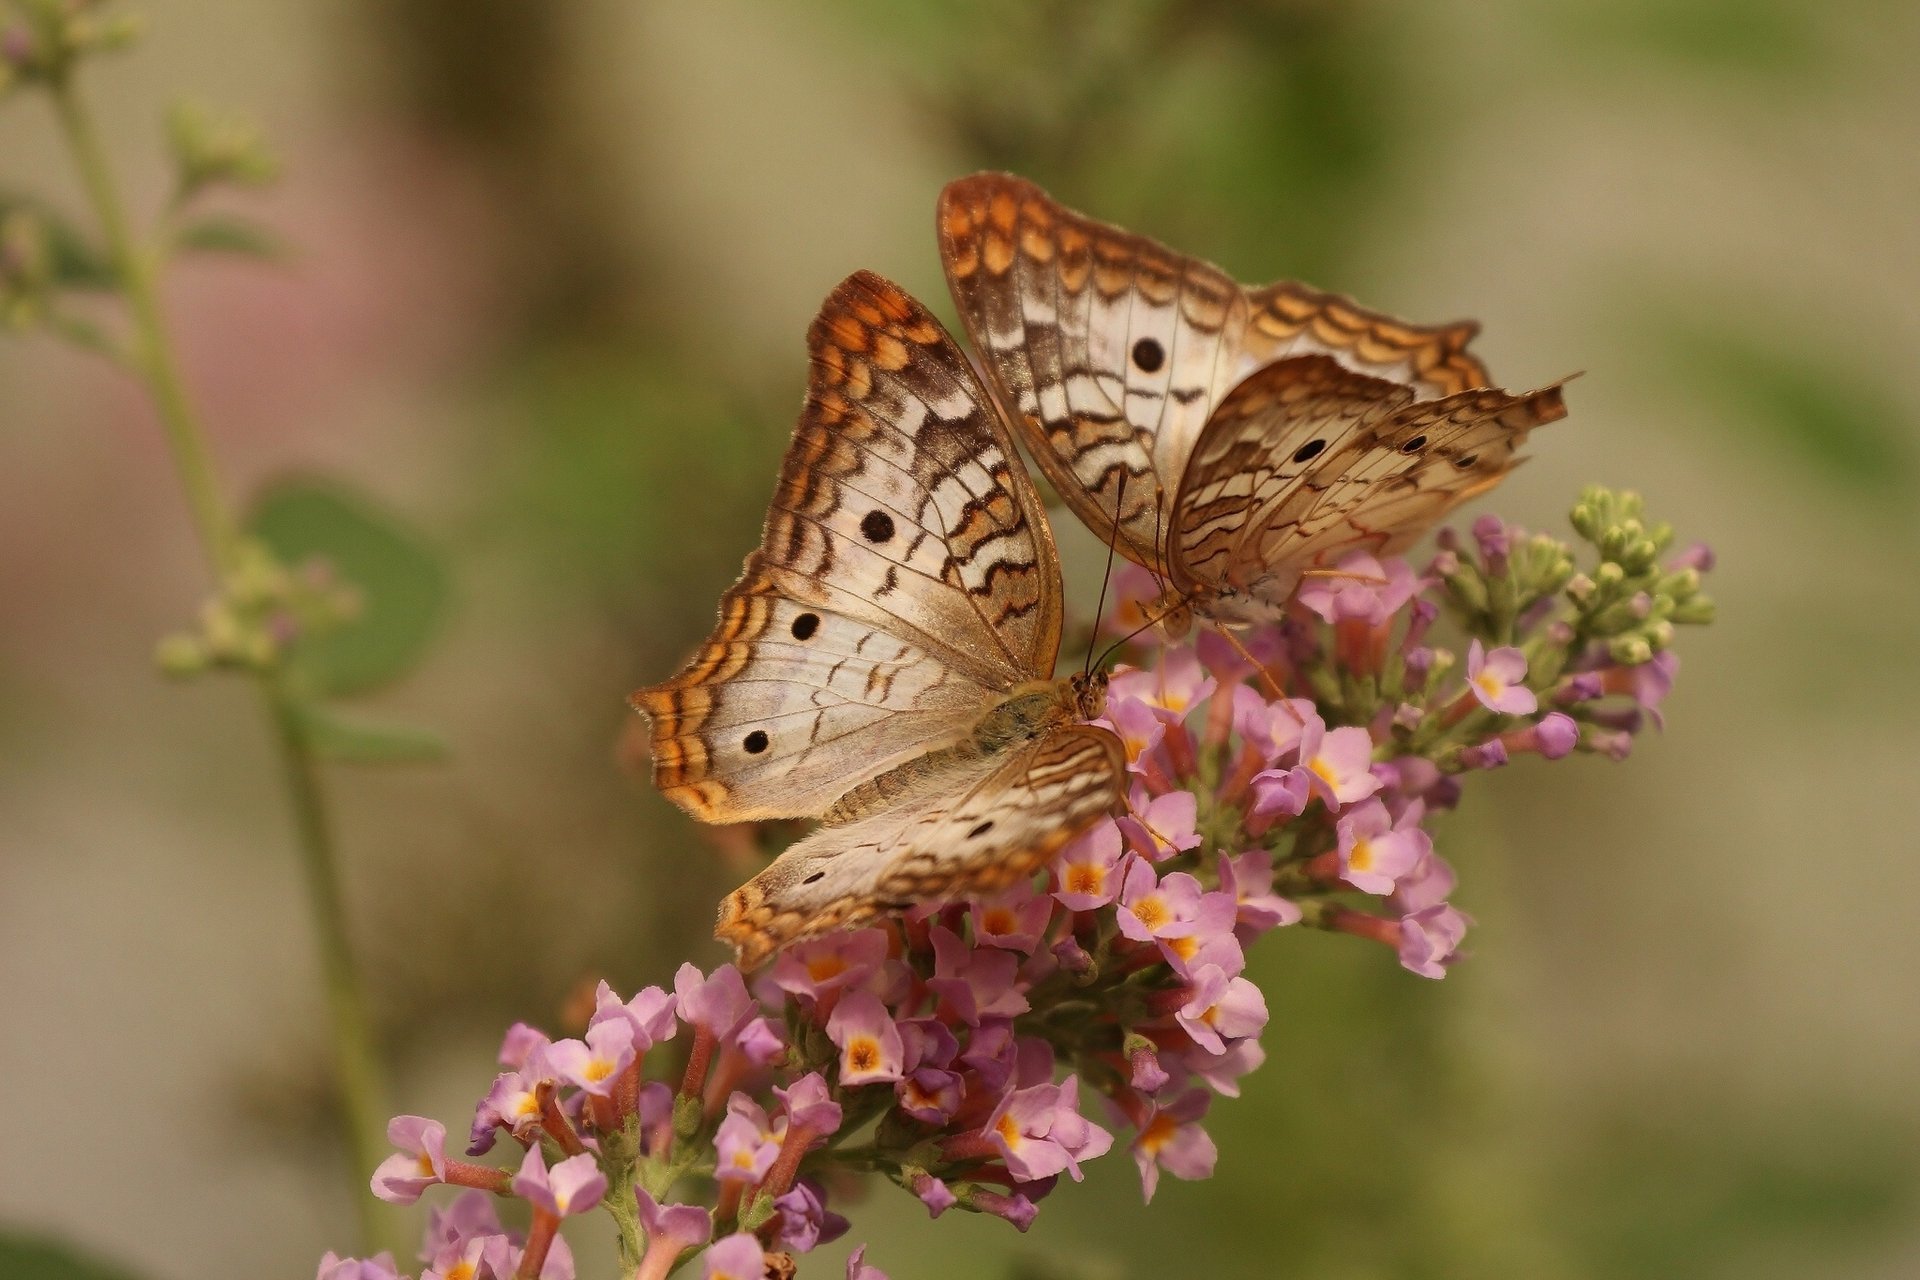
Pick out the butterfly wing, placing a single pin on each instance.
(1111, 351)
(1307, 460)
(977, 828)
(905, 579)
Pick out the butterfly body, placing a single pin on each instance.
(885, 662)
(1230, 439)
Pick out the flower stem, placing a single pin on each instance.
(358, 1075)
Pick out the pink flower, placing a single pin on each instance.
(1205, 937)
(738, 1257)
(420, 1163)
(1040, 1132)
(596, 1063)
(520, 1044)
(1430, 939)
(809, 1106)
(1163, 826)
(575, 1185)
(1375, 851)
(1083, 874)
(1220, 1009)
(378, 1267)
(1171, 688)
(470, 1216)
(931, 1094)
(512, 1104)
(650, 1013)
(1152, 907)
(1222, 1073)
(1249, 878)
(1013, 920)
(1361, 589)
(1428, 885)
(1272, 728)
(1496, 679)
(839, 960)
(745, 1143)
(803, 1221)
(1173, 1140)
(1138, 729)
(858, 1268)
(933, 1193)
(673, 1228)
(717, 1004)
(1339, 763)
(975, 983)
(869, 1043)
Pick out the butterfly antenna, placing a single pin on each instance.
(1106, 577)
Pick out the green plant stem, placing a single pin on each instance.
(358, 1074)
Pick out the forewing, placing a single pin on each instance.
(904, 581)
(986, 825)
(1307, 460)
(1112, 351)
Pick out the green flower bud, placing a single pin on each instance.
(181, 656)
(1695, 612)
(1630, 650)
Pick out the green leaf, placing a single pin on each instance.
(351, 740)
(402, 582)
(39, 1258)
(73, 260)
(223, 234)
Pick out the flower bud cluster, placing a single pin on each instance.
(262, 610)
(41, 40)
(976, 1053)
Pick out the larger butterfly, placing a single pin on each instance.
(1229, 439)
(885, 662)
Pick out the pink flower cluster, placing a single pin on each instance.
(975, 1053)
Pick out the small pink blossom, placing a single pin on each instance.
(738, 1257)
(378, 1267)
(808, 1105)
(1360, 589)
(596, 1063)
(674, 1228)
(716, 1003)
(1497, 680)
(802, 1221)
(1137, 727)
(1375, 851)
(1162, 826)
(1338, 763)
(420, 1163)
(522, 1042)
(1153, 907)
(650, 1013)
(1084, 875)
(1249, 878)
(858, 1268)
(1430, 939)
(1013, 920)
(1220, 1009)
(838, 960)
(975, 983)
(575, 1185)
(745, 1143)
(1040, 1132)
(1171, 688)
(1172, 1139)
(869, 1043)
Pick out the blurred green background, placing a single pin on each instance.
(554, 266)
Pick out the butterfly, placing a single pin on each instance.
(1231, 440)
(885, 662)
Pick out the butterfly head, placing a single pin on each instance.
(1087, 694)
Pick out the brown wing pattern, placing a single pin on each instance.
(905, 580)
(980, 828)
(1307, 460)
(1113, 351)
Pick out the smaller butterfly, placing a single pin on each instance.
(885, 662)
(1232, 440)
